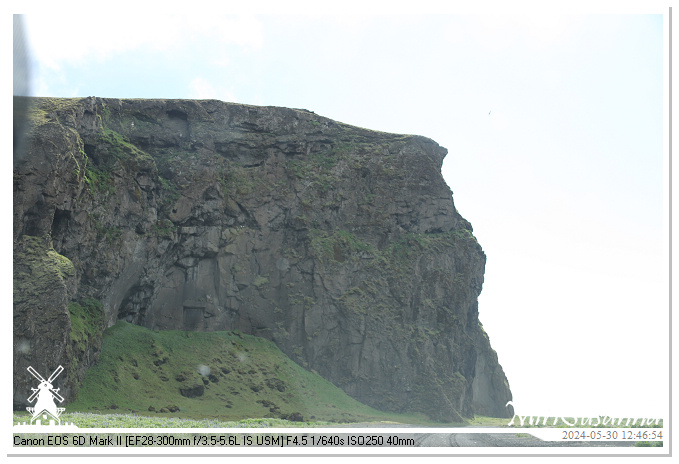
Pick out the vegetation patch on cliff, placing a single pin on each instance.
(100, 181)
(339, 245)
(43, 110)
(120, 148)
(87, 325)
(336, 246)
(316, 168)
(87, 321)
(41, 268)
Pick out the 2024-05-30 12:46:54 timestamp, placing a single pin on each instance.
(632, 434)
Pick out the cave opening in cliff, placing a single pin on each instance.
(60, 222)
(89, 150)
(177, 114)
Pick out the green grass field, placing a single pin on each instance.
(224, 377)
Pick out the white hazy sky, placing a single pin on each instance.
(554, 123)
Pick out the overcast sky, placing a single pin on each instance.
(554, 127)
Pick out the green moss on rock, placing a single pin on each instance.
(119, 148)
(336, 246)
(41, 269)
(87, 321)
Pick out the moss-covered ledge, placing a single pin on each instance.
(49, 329)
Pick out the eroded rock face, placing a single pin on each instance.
(340, 244)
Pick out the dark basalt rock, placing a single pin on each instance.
(193, 392)
(340, 244)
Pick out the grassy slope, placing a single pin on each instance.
(249, 377)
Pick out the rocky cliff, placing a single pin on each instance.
(340, 244)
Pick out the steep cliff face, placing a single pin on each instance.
(340, 244)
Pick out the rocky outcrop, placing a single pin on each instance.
(340, 244)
